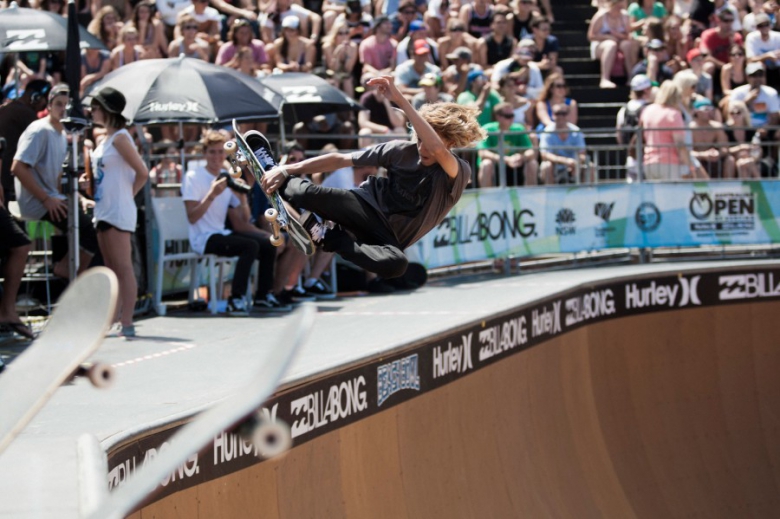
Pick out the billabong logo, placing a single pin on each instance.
(502, 337)
(396, 376)
(318, 409)
(647, 217)
(748, 286)
(657, 294)
(603, 210)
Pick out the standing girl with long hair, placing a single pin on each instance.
(120, 173)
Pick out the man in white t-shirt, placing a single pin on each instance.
(209, 202)
(763, 45)
(761, 100)
(523, 57)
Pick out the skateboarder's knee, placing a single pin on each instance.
(395, 267)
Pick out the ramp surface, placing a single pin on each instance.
(672, 414)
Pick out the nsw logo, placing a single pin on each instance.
(565, 219)
(647, 217)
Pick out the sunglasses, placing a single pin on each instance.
(408, 11)
(728, 20)
(559, 85)
(190, 28)
(506, 115)
(458, 29)
(343, 32)
(736, 112)
(762, 25)
(560, 114)
(738, 55)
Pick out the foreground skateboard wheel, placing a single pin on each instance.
(100, 375)
(272, 216)
(230, 148)
(272, 438)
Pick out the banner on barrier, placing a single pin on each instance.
(495, 223)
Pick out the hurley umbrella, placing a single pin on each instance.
(31, 30)
(188, 90)
(306, 95)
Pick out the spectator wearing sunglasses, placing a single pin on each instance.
(761, 100)
(763, 46)
(455, 39)
(562, 147)
(555, 92)
(716, 42)
(406, 14)
(518, 154)
(767, 7)
(189, 44)
(732, 75)
(654, 65)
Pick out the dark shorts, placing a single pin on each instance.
(105, 226)
(87, 235)
(11, 234)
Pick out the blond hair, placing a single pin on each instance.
(669, 94)
(456, 124)
(212, 137)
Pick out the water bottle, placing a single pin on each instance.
(755, 148)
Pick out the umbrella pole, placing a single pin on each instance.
(72, 176)
(147, 191)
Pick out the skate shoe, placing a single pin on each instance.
(316, 228)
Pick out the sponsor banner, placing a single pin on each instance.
(328, 404)
(494, 223)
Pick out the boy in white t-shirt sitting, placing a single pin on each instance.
(209, 202)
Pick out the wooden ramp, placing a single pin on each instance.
(659, 415)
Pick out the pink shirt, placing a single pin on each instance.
(378, 55)
(660, 147)
(228, 50)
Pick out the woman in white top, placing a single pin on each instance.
(119, 174)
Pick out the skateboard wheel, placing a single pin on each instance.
(271, 214)
(272, 438)
(100, 375)
(277, 241)
(230, 147)
(235, 172)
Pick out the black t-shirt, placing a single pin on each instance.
(376, 108)
(15, 117)
(701, 11)
(413, 198)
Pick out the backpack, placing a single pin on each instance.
(630, 122)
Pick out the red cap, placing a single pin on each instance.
(421, 47)
(692, 55)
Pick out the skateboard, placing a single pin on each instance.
(76, 329)
(252, 150)
(239, 412)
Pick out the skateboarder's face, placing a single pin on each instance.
(426, 157)
(215, 156)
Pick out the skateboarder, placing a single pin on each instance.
(379, 219)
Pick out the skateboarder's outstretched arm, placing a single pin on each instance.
(430, 142)
(274, 179)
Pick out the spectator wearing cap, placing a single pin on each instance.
(378, 51)
(431, 85)
(704, 14)
(716, 42)
(480, 94)
(455, 75)
(710, 143)
(763, 45)
(704, 79)
(119, 173)
(732, 74)
(37, 166)
(499, 43)
(455, 38)
(409, 73)
(272, 16)
(292, 52)
(518, 154)
(379, 117)
(417, 32)
(522, 58)
(654, 65)
(545, 45)
(628, 116)
(767, 7)
(15, 116)
(761, 100)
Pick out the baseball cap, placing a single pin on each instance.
(460, 53)
(692, 55)
(291, 22)
(379, 20)
(761, 18)
(640, 82)
(428, 79)
(702, 102)
(59, 90)
(655, 44)
(421, 47)
(752, 68)
(474, 74)
(38, 86)
(110, 99)
(416, 25)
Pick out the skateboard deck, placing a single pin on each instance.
(253, 150)
(237, 412)
(76, 329)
